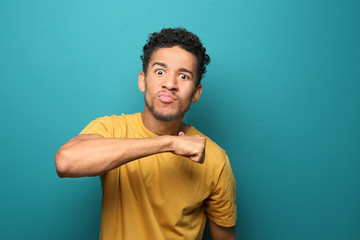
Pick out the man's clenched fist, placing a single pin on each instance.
(192, 147)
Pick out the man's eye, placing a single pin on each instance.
(184, 76)
(160, 72)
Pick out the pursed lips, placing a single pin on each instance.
(167, 97)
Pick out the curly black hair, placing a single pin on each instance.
(169, 37)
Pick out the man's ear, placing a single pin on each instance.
(197, 93)
(141, 81)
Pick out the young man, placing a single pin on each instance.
(160, 177)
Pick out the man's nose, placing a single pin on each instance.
(170, 82)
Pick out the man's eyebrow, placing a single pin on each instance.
(187, 70)
(159, 63)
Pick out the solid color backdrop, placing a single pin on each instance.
(281, 96)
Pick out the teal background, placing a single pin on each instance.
(281, 96)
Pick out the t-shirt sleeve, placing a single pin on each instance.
(102, 126)
(220, 207)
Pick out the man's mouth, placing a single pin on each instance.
(167, 97)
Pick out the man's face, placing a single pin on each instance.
(169, 84)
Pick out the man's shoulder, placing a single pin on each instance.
(118, 118)
(112, 126)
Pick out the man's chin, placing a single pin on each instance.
(165, 117)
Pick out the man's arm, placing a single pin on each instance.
(221, 233)
(92, 155)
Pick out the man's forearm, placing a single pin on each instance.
(95, 156)
(92, 155)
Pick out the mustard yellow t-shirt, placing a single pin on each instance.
(163, 196)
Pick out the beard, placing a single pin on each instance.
(166, 117)
(163, 117)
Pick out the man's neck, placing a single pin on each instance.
(160, 127)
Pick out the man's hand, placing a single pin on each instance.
(192, 147)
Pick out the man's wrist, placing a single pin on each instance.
(169, 142)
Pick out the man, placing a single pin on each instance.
(157, 181)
